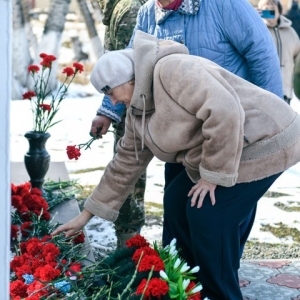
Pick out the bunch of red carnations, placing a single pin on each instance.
(45, 110)
(42, 266)
(41, 270)
(143, 272)
(28, 206)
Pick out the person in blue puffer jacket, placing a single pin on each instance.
(227, 32)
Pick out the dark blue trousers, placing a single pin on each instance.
(171, 171)
(210, 236)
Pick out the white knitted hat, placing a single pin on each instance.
(113, 68)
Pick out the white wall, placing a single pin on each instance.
(5, 88)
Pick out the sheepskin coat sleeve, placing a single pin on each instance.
(120, 176)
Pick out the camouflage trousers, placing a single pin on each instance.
(132, 215)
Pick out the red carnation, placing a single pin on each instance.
(37, 286)
(25, 269)
(51, 57)
(23, 245)
(46, 273)
(151, 261)
(33, 297)
(36, 263)
(14, 189)
(79, 238)
(51, 248)
(45, 107)
(68, 71)
(78, 67)
(33, 69)
(137, 241)
(26, 227)
(34, 248)
(21, 189)
(145, 250)
(35, 202)
(73, 152)
(47, 60)
(46, 215)
(17, 262)
(23, 210)
(73, 269)
(14, 231)
(29, 95)
(196, 296)
(18, 288)
(16, 202)
(156, 288)
(46, 238)
(76, 267)
(36, 191)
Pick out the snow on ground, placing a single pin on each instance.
(77, 114)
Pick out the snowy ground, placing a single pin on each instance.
(77, 114)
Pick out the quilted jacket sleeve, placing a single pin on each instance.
(246, 31)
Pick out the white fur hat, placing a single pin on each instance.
(113, 68)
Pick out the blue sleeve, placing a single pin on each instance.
(245, 29)
(141, 21)
(111, 111)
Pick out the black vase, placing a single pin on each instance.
(37, 159)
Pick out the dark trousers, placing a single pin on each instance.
(171, 171)
(287, 100)
(210, 236)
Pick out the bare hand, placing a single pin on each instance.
(74, 225)
(100, 126)
(200, 190)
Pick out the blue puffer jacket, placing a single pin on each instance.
(228, 32)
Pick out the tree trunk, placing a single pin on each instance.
(30, 35)
(51, 39)
(98, 14)
(21, 58)
(91, 28)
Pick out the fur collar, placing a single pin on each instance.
(147, 51)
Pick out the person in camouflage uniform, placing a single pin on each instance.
(120, 18)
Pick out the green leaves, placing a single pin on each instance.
(179, 273)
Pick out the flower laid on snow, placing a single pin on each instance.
(45, 110)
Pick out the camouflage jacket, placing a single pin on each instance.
(119, 18)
